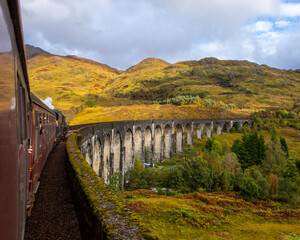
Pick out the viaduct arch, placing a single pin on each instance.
(111, 147)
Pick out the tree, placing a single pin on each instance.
(275, 161)
(215, 165)
(216, 147)
(198, 174)
(274, 184)
(225, 180)
(261, 182)
(291, 170)
(225, 147)
(231, 163)
(237, 144)
(249, 189)
(288, 189)
(250, 150)
(133, 177)
(284, 146)
(176, 179)
(208, 144)
(274, 135)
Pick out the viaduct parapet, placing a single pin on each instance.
(110, 147)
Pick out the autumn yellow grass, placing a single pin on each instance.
(72, 82)
(154, 111)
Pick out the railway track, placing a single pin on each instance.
(53, 215)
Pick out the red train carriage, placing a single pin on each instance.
(28, 127)
(43, 136)
(15, 117)
(61, 126)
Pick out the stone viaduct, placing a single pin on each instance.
(111, 146)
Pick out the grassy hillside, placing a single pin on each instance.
(142, 111)
(246, 84)
(70, 81)
(76, 83)
(220, 215)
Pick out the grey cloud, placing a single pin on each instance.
(123, 32)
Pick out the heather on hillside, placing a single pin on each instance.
(73, 81)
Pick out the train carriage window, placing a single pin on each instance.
(36, 118)
(21, 111)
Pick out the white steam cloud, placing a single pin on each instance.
(48, 102)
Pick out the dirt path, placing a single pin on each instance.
(53, 215)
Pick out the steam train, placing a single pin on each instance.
(28, 128)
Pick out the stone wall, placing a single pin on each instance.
(102, 214)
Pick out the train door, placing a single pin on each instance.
(36, 134)
(22, 106)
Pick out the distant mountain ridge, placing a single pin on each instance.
(146, 63)
(32, 51)
(75, 83)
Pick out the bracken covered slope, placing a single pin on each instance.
(76, 83)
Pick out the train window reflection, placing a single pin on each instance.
(5, 43)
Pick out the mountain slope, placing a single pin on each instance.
(32, 52)
(148, 63)
(70, 81)
(241, 82)
(75, 83)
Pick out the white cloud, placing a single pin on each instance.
(123, 32)
(282, 23)
(263, 26)
(290, 9)
(46, 10)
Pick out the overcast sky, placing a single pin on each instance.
(121, 33)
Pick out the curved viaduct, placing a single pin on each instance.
(111, 146)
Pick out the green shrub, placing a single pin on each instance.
(160, 191)
(261, 182)
(231, 106)
(116, 182)
(90, 104)
(249, 189)
(287, 189)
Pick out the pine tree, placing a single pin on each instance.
(274, 135)
(251, 150)
(284, 146)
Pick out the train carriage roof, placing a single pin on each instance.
(39, 102)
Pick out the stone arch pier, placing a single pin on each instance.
(112, 146)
